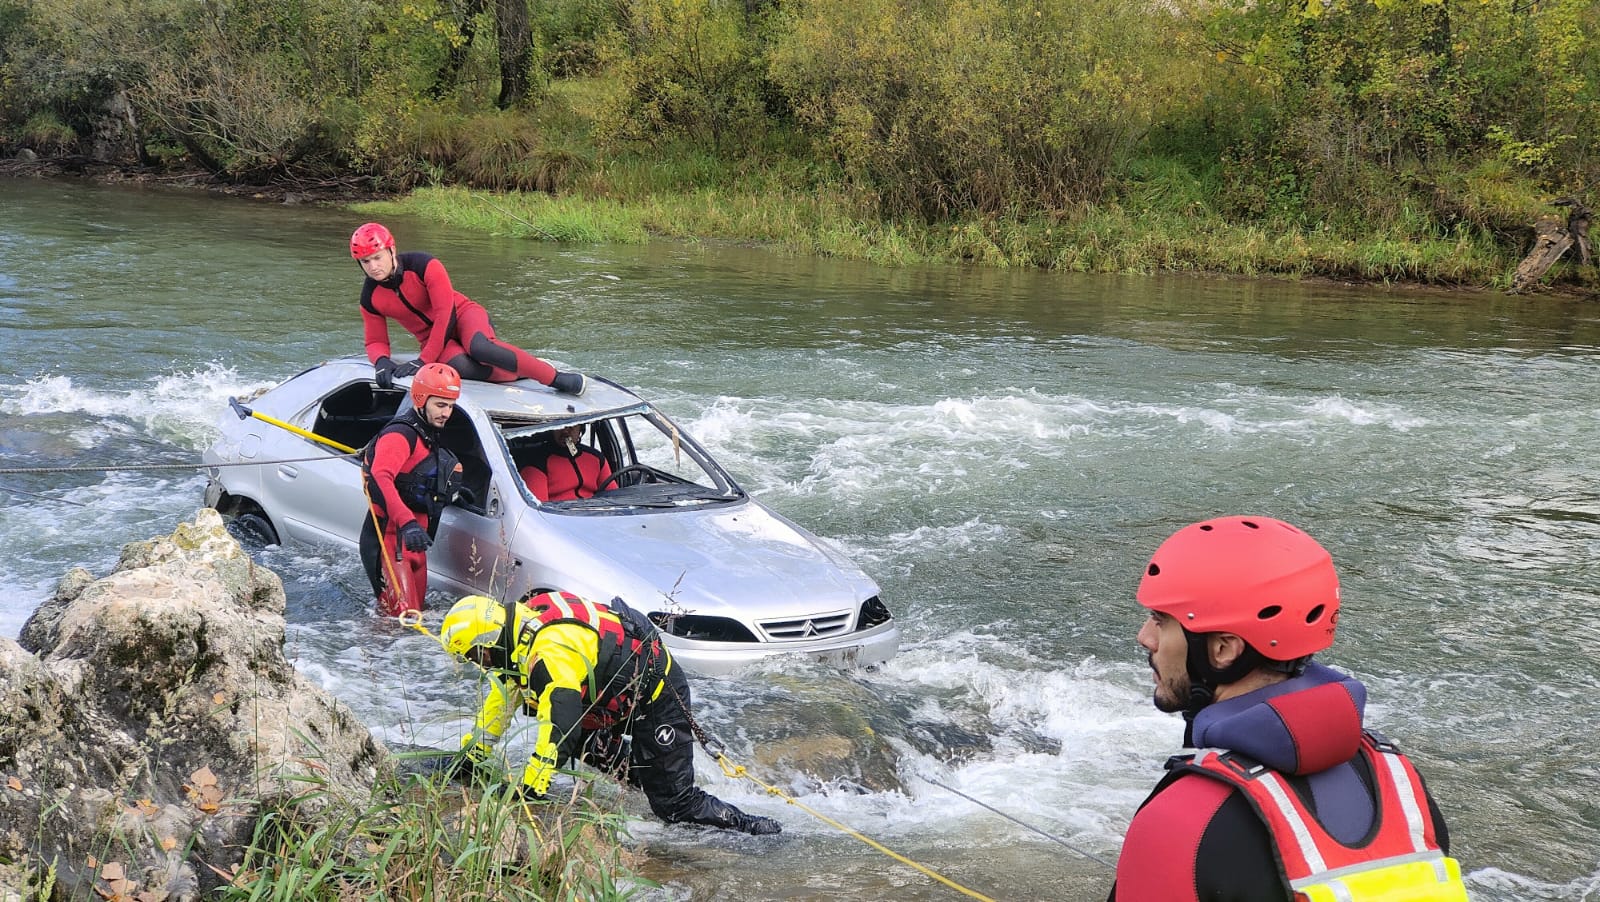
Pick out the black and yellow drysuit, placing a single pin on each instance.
(593, 674)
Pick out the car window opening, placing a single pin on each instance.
(355, 414)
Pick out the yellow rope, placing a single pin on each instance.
(737, 771)
(395, 587)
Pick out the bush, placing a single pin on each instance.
(686, 69)
(986, 106)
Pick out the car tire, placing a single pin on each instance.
(253, 530)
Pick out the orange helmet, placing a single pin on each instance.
(435, 380)
(368, 239)
(1261, 579)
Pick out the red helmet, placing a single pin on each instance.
(368, 239)
(1261, 579)
(436, 380)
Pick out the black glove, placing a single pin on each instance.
(569, 383)
(383, 369)
(414, 537)
(463, 767)
(409, 368)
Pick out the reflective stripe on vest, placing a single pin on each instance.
(564, 607)
(1401, 863)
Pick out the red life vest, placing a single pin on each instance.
(1401, 860)
(631, 656)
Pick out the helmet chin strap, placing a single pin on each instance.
(1205, 678)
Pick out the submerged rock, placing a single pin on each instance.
(828, 740)
(147, 718)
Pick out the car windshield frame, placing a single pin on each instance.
(670, 493)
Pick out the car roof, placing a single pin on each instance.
(526, 401)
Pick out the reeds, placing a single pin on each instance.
(422, 838)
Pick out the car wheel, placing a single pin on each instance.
(253, 530)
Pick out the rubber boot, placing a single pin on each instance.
(714, 812)
(570, 383)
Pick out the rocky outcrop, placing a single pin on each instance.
(149, 717)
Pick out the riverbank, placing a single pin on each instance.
(1371, 146)
(1101, 240)
(633, 204)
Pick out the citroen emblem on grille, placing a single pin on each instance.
(810, 629)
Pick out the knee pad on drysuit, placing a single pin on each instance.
(489, 352)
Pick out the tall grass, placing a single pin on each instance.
(425, 839)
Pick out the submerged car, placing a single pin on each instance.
(727, 579)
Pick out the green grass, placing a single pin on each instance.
(424, 839)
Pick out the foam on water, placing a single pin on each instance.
(180, 407)
(862, 449)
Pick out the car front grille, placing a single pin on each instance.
(817, 626)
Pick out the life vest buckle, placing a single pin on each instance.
(1382, 743)
(1245, 766)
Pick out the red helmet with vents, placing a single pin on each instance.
(1261, 579)
(368, 239)
(435, 380)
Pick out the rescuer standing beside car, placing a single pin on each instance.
(409, 477)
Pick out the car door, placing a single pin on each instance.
(470, 550)
(321, 499)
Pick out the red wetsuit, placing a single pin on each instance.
(400, 450)
(564, 476)
(449, 327)
(1196, 837)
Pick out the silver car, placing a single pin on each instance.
(727, 579)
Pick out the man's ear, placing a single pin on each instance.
(1224, 649)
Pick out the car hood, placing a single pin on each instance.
(746, 559)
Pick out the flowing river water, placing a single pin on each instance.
(1002, 451)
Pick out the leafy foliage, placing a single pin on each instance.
(687, 68)
(978, 105)
(896, 129)
(429, 840)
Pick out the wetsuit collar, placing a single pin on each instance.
(413, 417)
(1268, 724)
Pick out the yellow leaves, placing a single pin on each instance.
(220, 698)
(119, 887)
(168, 843)
(236, 879)
(15, 784)
(203, 791)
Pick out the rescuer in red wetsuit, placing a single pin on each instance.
(1289, 798)
(409, 477)
(414, 290)
(568, 471)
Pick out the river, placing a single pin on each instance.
(1001, 450)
